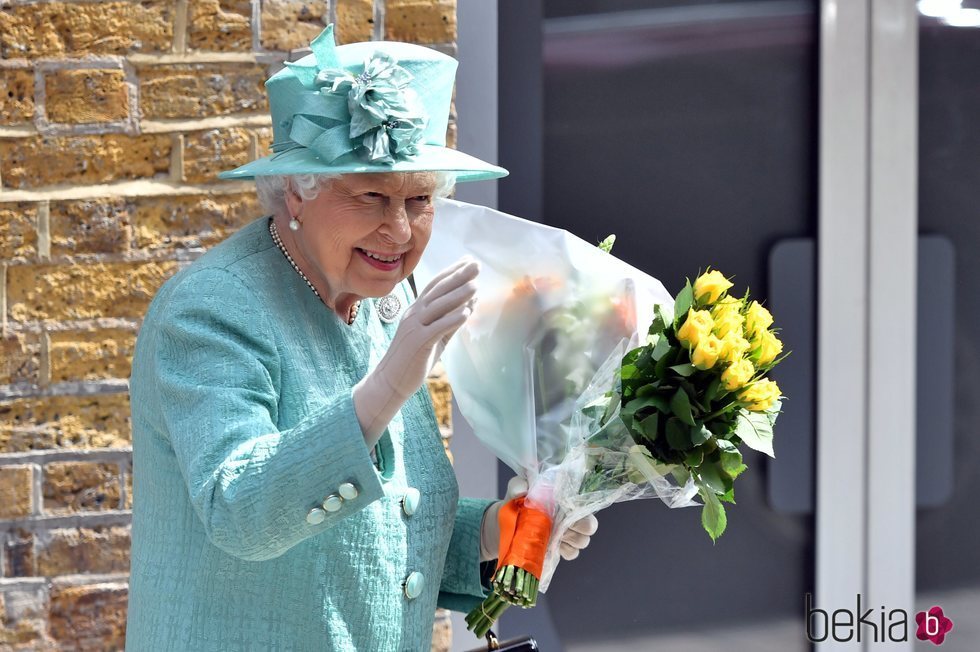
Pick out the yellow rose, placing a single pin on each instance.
(757, 319)
(734, 347)
(709, 287)
(737, 375)
(760, 395)
(706, 353)
(697, 324)
(727, 317)
(767, 347)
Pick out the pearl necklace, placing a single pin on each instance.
(275, 238)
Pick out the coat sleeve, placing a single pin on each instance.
(217, 369)
(462, 586)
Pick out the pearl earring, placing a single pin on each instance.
(294, 224)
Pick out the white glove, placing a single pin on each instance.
(578, 536)
(425, 328)
(490, 529)
(574, 540)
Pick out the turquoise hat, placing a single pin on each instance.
(378, 106)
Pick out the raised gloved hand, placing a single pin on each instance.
(425, 328)
(575, 540)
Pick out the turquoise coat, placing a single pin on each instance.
(242, 424)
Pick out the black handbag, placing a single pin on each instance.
(522, 644)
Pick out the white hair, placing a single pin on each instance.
(272, 189)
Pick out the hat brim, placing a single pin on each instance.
(430, 158)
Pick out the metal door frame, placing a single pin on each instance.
(867, 296)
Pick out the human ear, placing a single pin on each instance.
(294, 201)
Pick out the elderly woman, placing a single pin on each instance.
(291, 490)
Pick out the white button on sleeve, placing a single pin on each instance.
(414, 584)
(333, 503)
(347, 491)
(316, 516)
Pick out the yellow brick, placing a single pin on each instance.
(80, 96)
(16, 97)
(83, 550)
(355, 21)
(91, 355)
(19, 559)
(23, 624)
(291, 24)
(191, 221)
(18, 237)
(421, 21)
(91, 617)
(16, 490)
(202, 90)
(99, 421)
(222, 25)
(442, 632)
(81, 487)
(264, 140)
(76, 29)
(442, 397)
(38, 161)
(84, 291)
(91, 226)
(206, 153)
(20, 358)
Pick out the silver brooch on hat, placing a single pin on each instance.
(389, 307)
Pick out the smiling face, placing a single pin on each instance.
(364, 233)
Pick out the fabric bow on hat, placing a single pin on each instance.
(382, 114)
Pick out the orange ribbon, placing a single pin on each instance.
(524, 535)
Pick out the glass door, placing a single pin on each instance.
(688, 129)
(947, 531)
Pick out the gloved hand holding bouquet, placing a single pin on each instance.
(561, 373)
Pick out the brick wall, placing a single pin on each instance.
(115, 117)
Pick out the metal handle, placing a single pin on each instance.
(492, 642)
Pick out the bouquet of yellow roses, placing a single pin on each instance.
(697, 390)
(562, 375)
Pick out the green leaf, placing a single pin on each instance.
(731, 462)
(685, 369)
(614, 401)
(699, 434)
(680, 405)
(649, 426)
(638, 404)
(713, 478)
(695, 458)
(728, 496)
(662, 318)
(650, 389)
(631, 356)
(755, 430)
(628, 371)
(683, 302)
(660, 348)
(660, 370)
(681, 475)
(677, 434)
(726, 445)
(607, 244)
(712, 391)
(713, 517)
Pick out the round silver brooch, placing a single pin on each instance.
(389, 307)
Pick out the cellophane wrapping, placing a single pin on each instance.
(533, 366)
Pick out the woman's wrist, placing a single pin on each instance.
(375, 405)
(490, 532)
